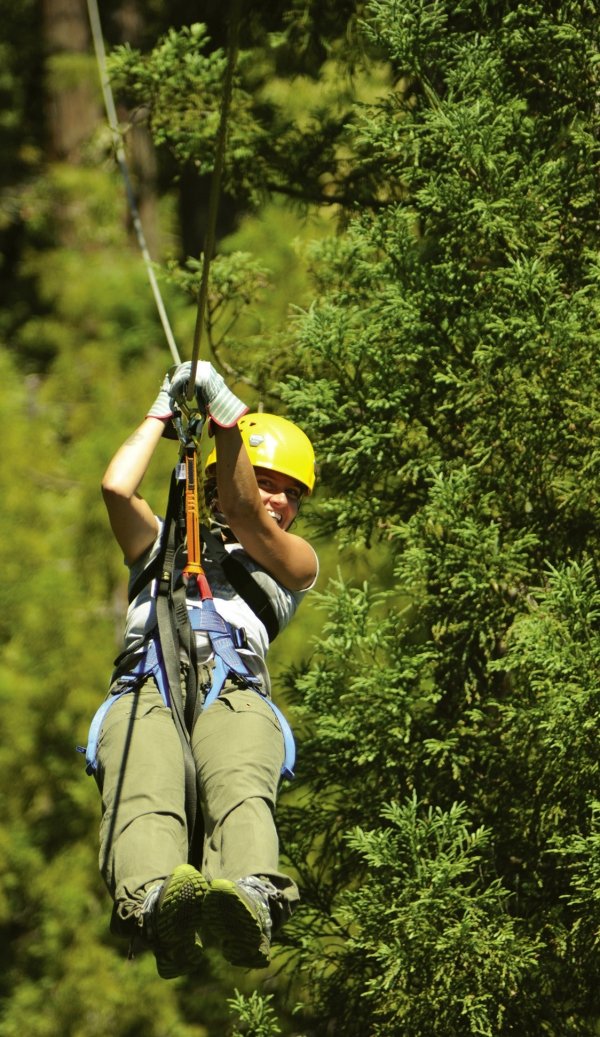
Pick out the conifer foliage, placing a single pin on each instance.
(450, 765)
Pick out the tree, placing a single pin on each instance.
(444, 367)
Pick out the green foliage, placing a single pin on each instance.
(281, 139)
(449, 370)
(177, 72)
(550, 722)
(444, 955)
(580, 857)
(470, 296)
(238, 283)
(255, 1015)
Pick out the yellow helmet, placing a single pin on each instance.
(276, 443)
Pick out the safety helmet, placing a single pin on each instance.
(276, 443)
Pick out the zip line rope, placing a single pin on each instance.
(215, 187)
(111, 113)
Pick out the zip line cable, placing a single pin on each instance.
(111, 113)
(215, 186)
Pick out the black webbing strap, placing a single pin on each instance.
(176, 637)
(174, 633)
(147, 575)
(155, 568)
(242, 581)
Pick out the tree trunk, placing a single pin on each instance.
(72, 104)
(141, 155)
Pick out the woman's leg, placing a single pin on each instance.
(238, 748)
(143, 835)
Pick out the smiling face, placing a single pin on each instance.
(280, 494)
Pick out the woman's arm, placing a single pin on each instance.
(132, 520)
(289, 558)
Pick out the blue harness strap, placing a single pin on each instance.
(148, 664)
(91, 750)
(225, 640)
(220, 675)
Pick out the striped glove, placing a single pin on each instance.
(212, 393)
(162, 408)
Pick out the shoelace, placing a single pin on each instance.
(261, 892)
(148, 913)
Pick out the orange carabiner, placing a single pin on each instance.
(193, 569)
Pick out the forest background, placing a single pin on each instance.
(408, 266)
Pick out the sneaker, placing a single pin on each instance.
(236, 917)
(171, 916)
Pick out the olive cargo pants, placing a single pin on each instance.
(238, 752)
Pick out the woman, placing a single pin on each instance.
(235, 895)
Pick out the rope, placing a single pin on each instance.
(215, 187)
(111, 113)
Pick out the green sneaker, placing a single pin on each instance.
(171, 916)
(236, 917)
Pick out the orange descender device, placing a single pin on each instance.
(193, 571)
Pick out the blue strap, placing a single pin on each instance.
(227, 660)
(91, 750)
(222, 638)
(288, 741)
(149, 663)
(220, 675)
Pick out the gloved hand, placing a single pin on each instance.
(212, 393)
(163, 408)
